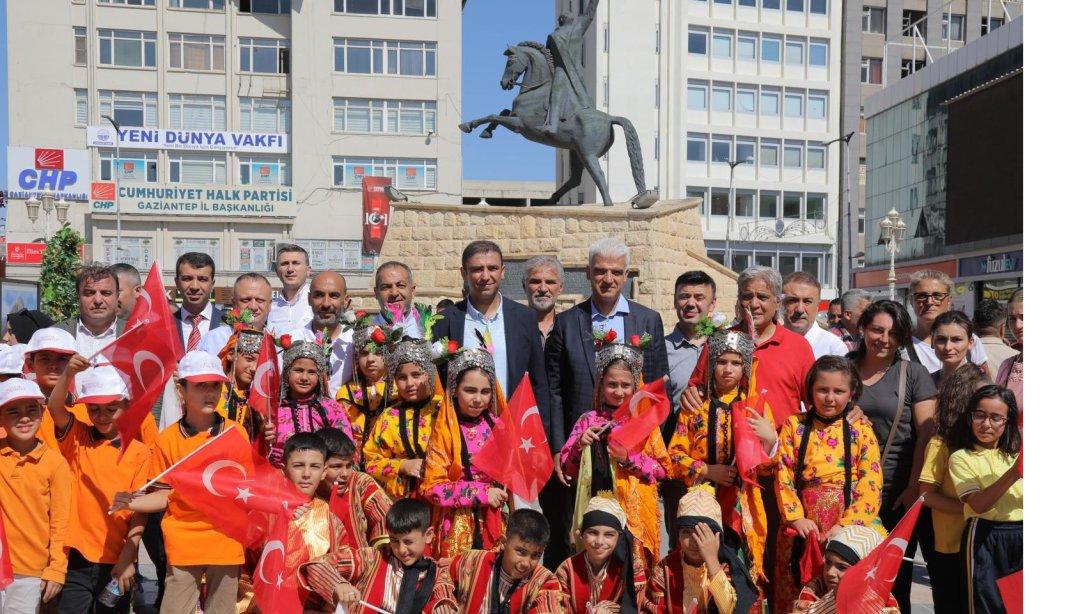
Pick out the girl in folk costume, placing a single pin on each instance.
(239, 358)
(634, 476)
(305, 405)
(702, 448)
(604, 578)
(394, 453)
(829, 470)
(470, 505)
(364, 396)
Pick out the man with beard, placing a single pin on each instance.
(395, 290)
(801, 302)
(543, 284)
(328, 300)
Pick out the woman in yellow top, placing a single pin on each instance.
(986, 471)
(702, 447)
(364, 396)
(239, 359)
(943, 561)
(829, 468)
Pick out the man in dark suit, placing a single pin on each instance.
(195, 278)
(98, 322)
(511, 326)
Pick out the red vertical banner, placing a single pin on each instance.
(375, 213)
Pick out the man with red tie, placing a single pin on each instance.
(195, 277)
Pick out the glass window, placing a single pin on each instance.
(257, 170)
(700, 193)
(792, 104)
(873, 19)
(743, 203)
(746, 101)
(990, 24)
(697, 41)
(814, 158)
(326, 254)
(746, 2)
(765, 259)
(818, 7)
(399, 8)
(723, 44)
(792, 155)
(265, 114)
(198, 168)
(263, 55)
(953, 29)
(697, 147)
(126, 48)
(769, 204)
(814, 207)
(135, 251)
(769, 103)
(770, 49)
(912, 20)
(818, 104)
(720, 149)
(407, 173)
(792, 206)
(131, 166)
(818, 53)
(212, 5)
(205, 246)
(81, 107)
(721, 96)
(697, 96)
(746, 149)
(81, 45)
(274, 7)
(389, 57)
(128, 2)
(740, 262)
(139, 109)
(769, 153)
(795, 52)
(376, 116)
(796, 5)
(746, 47)
(771, 5)
(720, 201)
(871, 70)
(189, 112)
(788, 263)
(812, 264)
(196, 51)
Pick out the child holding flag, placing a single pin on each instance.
(101, 546)
(470, 505)
(354, 496)
(305, 405)
(852, 544)
(47, 355)
(632, 474)
(35, 500)
(239, 358)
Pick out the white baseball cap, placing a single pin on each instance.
(18, 389)
(198, 366)
(52, 339)
(101, 385)
(12, 359)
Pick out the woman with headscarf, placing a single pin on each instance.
(305, 405)
(23, 323)
(469, 506)
(604, 577)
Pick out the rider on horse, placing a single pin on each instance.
(565, 43)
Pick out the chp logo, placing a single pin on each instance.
(48, 159)
(103, 195)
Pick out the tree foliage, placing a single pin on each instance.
(60, 264)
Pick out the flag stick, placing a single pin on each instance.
(114, 342)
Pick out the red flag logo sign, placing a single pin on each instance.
(48, 159)
(103, 190)
(517, 455)
(128, 166)
(865, 587)
(375, 213)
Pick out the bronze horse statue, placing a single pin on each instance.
(585, 133)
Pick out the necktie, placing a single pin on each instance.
(194, 333)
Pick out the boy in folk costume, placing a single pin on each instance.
(395, 577)
(470, 505)
(633, 476)
(852, 544)
(509, 579)
(239, 358)
(354, 496)
(604, 578)
(364, 396)
(704, 573)
(305, 405)
(703, 446)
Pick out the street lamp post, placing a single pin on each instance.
(115, 178)
(845, 212)
(892, 235)
(730, 208)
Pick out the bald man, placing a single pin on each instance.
(328, 299)
(251, 291)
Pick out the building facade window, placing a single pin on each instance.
(814, 206)
(793, 103)
(697, 41)
(697, 147)
(273, 7)
(769, 153)
(795, 52)
(743, 203)
(909, 66)
(407, 174)
(80, 35)
(697, 95)
(792, 206)
(208, 246)
(814, 157)
(384, 57)
(797, 6)
(138, 109)
(818, 105)
(256, 255)
(770, 49)
(952, 27)
(198, 168)
(129, 2)
(81, 107)
(792, 155)
(818, 53)
(746, 47)
(746, 149)
(872, 70)
(397, 8)
(722, 44)
(196, 52)
(204, 5)
(771, 5)
(990, 24)
(265, 114)
(332, 255)
(264, 170)
(769, 102)
(263, 55)
(769, 204)
(720, 148)
(192, 112)
(129, 48)
(912, 20)
(721, 97)
(818, 7)
(746, 101)
(131, 166)
(873, 19)
(376, 116)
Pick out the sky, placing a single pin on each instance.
(488, 27)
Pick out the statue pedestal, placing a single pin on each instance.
(665, 241)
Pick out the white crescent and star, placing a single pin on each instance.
(270, 547)
(529, 412)
(139, 358)
(258, 379)
(211, 469)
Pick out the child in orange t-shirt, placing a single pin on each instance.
(35, 500)
(195, 548)
(102, 547)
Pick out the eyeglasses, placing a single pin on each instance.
(923, 297)
(994, 419)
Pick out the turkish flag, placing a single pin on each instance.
(645, 411)
(1011, 588)
(865, 587)
(517, 455)
(146, 353)
(265, 390)
(748, 450)
(253, 503)
(7, 575)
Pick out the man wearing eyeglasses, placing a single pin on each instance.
(930, 297)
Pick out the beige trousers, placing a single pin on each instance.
(183, 589)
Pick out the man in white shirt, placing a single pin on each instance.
(801, 302)
(251, 291)
(395, 289)
(195, 278)
(290, 310)
(97, 324)
(328, 299)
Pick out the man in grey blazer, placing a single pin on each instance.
(98, 322)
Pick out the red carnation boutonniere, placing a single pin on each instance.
(378, 336)
(451, 346)
(285, 341)
(634, 340)
(610, 336)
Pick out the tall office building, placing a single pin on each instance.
(740, 94)
(243, 123)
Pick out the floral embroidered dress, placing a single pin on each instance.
(815, 487)
(402, 433)
(305, 416)
(364, 405)
(635, 478)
